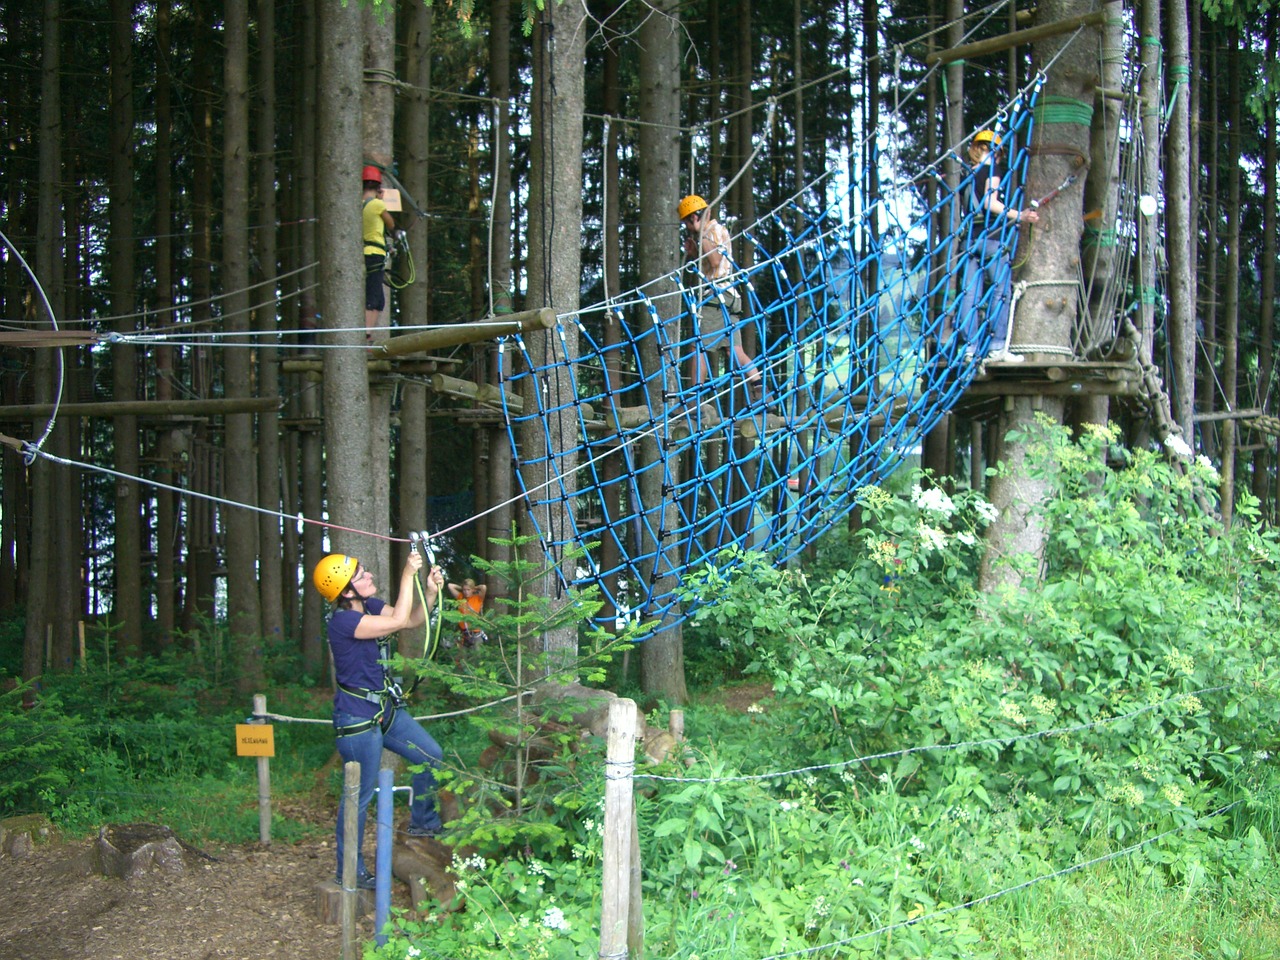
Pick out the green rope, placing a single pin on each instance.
(1052, 109)
(429, 648)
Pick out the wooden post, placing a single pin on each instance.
(620, 761)
(350, 853)
(675, 725)
(81, 627)
(264, 778)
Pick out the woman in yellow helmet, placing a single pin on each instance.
(987, 278)
(366, 704)
(706, 241)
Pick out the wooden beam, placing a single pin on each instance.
(980, 48)
(456, 334)
(212, 407)
(1248, 414)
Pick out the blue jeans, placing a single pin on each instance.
(987, 282)
(406, 737)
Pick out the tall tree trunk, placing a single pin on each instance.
(1043, 323)
(346, 383)
(501, 480)
(1207, 394)
(311, 441)
(42, 583)
(413, 481)
(244, 607)
(378, 118)
(274, 589)
(199, 601)
(1179, 224)
(1231, 281)
(127, 607)
(555, 258)
(1267, 269)
(662, 655)
(166, 502)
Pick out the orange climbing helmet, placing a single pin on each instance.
(690, 204)
(371, 173)
(987, 136)
(333, 574)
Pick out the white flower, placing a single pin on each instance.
(933, 499)
(411, 951)
(987, 512)
(917, 843)
(967, 538)
(1177, 446)
(755, 708)
(554, 919)
(857, 882)
(787, 805)
(932, 538)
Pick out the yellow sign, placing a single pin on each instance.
(255, 740)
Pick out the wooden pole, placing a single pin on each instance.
(264, 778)
(978, 48)
(675, 725)
(456, 334)
(81, 630)
(350, 853)
(615, 907)
(143, 408)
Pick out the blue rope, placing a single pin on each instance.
(853, 378)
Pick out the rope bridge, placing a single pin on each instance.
(860, 357)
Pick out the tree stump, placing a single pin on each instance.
(129, 850)
(19, 835)
(423, 863)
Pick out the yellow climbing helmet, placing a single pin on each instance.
(987, 136)
(690, 204)
(332, 575)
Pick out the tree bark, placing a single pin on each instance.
(662, 655)
(555, 258)
(127, 606)
(1179, 224)
(346, 383)
(244, 609)
(1044, 316)
(1231, 281)
(278, 590)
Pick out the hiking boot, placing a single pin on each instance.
(364, 881)
(413, 831)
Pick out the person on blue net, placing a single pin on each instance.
(987, 277)
(368, 714)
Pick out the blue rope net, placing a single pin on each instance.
(869, 337)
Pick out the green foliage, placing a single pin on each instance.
(930, 747)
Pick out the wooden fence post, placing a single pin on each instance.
(264, 778)
(620, 761)
(350, 853)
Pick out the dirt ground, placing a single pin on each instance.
(245, 902)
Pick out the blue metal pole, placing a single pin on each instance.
(382, 870)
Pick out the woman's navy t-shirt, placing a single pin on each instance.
(355, 662)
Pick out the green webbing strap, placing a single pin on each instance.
(1052, 109)
(429, 646)
(1097, 237)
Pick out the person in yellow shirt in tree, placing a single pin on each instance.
(379, 227)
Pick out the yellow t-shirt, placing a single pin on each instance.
(375, 228)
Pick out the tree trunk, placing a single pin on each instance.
(275, 586)
(169, 469)
(662, 655)
(1179, 223)
(1231, 281)
(555, 258)
(346, 382)
(1044, 317)
(1267, 269)
(413, 479)
(378, 131)
(497, 524)
(127, 606)
(244, 609)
